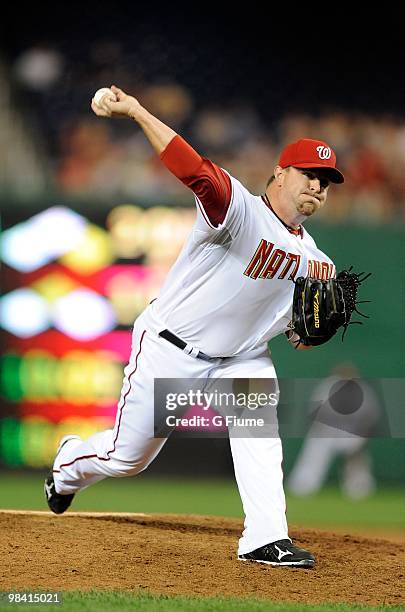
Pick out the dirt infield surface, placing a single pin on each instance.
(191, 555)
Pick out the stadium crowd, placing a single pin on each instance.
(98, 158)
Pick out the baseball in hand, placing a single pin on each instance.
(100, 93)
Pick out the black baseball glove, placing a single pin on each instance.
(321, 307)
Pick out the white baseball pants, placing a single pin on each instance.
(130, 447)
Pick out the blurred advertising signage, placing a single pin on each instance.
(32, 441)
(71, 292)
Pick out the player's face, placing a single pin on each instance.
(306, 188)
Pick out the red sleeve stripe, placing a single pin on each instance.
(180, 158)
(201, 207)
(205, 215)
(209, 182)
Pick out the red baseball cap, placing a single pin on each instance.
(307, 153)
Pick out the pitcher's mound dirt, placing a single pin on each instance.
(192, 555)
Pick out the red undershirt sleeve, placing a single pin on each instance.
(208, 181)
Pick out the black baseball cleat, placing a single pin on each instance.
(281, 552)
(58, 503)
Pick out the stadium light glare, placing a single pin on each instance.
(24, 313)
(83, 315)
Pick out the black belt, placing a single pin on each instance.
(167, 335)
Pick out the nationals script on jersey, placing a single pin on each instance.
(231, 288)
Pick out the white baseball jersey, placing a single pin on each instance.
(231, 288)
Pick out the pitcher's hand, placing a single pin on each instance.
(124, 106)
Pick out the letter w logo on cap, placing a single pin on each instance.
(324, 152)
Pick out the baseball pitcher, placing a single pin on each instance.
(231, 290)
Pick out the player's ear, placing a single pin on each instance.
(279, 175)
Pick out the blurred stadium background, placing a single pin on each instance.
(91, 221)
